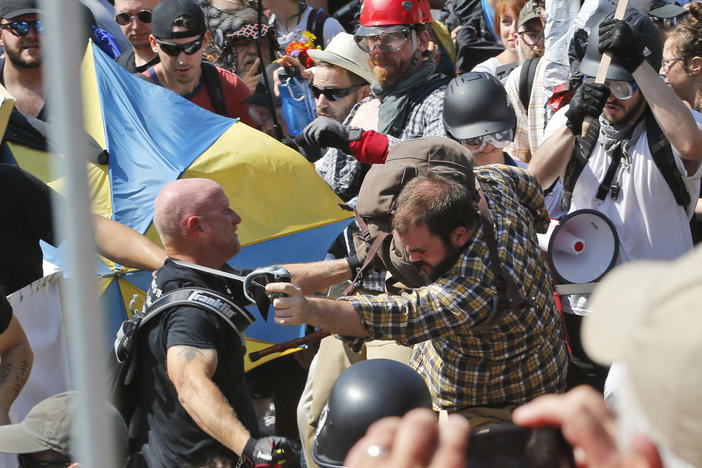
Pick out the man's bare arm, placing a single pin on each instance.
(549, 161)
(16, 360)
(191, 370)
(125, 246)
(319, 276)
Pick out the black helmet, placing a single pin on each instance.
(645, 30)
(476, 104)
(364, 393)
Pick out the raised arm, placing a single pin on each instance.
(125, 246)
(319, 276)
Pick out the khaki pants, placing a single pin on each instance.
(331, 360)
(481, 418)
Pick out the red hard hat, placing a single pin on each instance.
(394, 12)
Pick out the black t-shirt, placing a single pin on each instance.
(5, 312)
(169, 437)
(25, 207)
(126, 59)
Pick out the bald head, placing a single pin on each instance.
(180, 200)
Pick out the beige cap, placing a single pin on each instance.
(343, 52)
(647, 315)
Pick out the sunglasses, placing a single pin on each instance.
(21, 28)
(389, 42)
(620, 89)
(175, 49)
(124, 19)
(669, 23)
(333, 94)
(26, 461)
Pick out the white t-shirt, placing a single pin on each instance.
(331, 28)
(649, 222)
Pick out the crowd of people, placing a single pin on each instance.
(456, 136)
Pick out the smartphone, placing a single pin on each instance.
(511, 446)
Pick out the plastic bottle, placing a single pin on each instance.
(296, 100)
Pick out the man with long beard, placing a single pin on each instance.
(395, 36)
(20, 35)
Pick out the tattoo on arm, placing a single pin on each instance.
(190, 353)
(20, 375)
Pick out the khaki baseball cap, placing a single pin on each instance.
(343, 52)
(647, 315)
(47, 426)
(527, 13)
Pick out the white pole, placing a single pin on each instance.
(63, 47)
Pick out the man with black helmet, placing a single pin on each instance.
(639, 162)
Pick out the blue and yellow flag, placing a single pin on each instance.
(154, 136)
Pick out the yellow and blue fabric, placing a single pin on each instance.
(154, 136)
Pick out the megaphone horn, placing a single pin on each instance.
(582, 247)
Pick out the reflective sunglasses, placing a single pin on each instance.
(175, 49)
(21, 28)
(497, 139)
(389, 42)
(669, 23)
(333, 94)
(124, 19)
(531, 38)
(620, 89)
(27, 461)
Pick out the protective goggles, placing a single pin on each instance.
(497, 139)
(124, 19)
(333, 94)
(175, 49)
(27, 461)
(389, 39)
(619, 89)
(21, 28)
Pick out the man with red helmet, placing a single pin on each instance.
(395, 35)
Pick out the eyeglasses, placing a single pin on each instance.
(667, 63)
(21, 28)
(124, 19)
(26, 461)
(497, 139)
(389, 42)
(620, 89)
(175, 49)
(333, 94)
(531, 38)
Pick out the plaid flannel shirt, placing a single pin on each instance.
(521, 355)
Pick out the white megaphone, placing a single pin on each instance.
(582, 247)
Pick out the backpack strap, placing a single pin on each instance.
(581, 154)
(526, 80)
(662, 154)
(315, 25)
(507, 293)
(214, 88)
(370, 255)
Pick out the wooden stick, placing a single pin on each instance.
(604, 64)
(279, 348)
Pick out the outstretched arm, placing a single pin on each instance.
(125, 246)
(191, 370)
(319, 276)
(16, 359)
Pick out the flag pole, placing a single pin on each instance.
(63, 47)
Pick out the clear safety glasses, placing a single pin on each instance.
(390, 41)
(620, 89)
(498, 140)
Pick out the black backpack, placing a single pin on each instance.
(315, 25)
(123, 386)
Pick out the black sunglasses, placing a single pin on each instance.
(27, 461)
(175, 49)
(333, 94)
(21, 28)
(124, 19)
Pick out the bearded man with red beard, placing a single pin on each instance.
(395, 35)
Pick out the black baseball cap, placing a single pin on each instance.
(14, 8)
(166, 12)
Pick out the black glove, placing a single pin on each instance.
(325, 132)
(589, 99)
(617, 38)
(270, 451)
